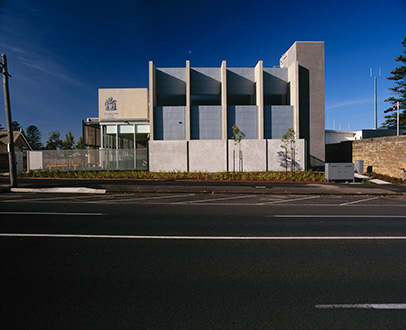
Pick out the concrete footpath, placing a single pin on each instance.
(133, 186)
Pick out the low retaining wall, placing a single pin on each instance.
(384, 155)
(221, 156)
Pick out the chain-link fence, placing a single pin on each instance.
(86, 160)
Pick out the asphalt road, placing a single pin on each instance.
(196, 261)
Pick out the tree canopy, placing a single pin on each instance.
(398, 75)
(54, 141)
(80, 143)
(34, 136)
(69, 142)
(15, 126)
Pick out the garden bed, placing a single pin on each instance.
(386, 178)
(274, 176)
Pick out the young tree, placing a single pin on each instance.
(238, 135)
(54, 141)
(69, 141)
(288, 144)
(398, 75)
(34, 137)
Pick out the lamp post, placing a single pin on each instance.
(11, 154)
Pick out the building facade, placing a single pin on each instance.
(187, 114)
(202, 104)
(21, 146)
(123, 118)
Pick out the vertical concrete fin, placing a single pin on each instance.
(152, 98)
(187, 114)
(293, 74)
(259, 85)
(224, 99)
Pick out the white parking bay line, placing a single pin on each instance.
(359, 201)
(215, 199)
(230, 238)
(362, 306)
(136, 199)
(50, 213)
(164, 197)
(288, 200)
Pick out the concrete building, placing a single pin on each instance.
(187, 114)
(123, 121)
(334, 136)
(195, 109)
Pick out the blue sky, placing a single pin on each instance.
(60, 52)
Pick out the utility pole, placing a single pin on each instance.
(375, 98)
(376, 104)
(11, 154)
(397, 121)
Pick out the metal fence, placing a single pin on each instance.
(87, 160)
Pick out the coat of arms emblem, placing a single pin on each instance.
(110, 104)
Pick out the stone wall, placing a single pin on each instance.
(384, 155)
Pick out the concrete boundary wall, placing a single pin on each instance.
(207, 156)
(220, 156)
(253, 155)
(277, 158)
(168, 156)
(383, 155)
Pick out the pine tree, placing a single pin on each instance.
(54, 141)
(34, 137)
(15, 126)
(80, 143)
(398, 75)
(69, 141)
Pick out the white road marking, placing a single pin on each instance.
(166, 196)
(334, 216)
(231, 238)
(215, 199)
(363, 306)
(50, 213)
(135, 199)
(288, 200)
(335, 205)
(359, 201)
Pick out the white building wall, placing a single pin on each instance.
(340, 136)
